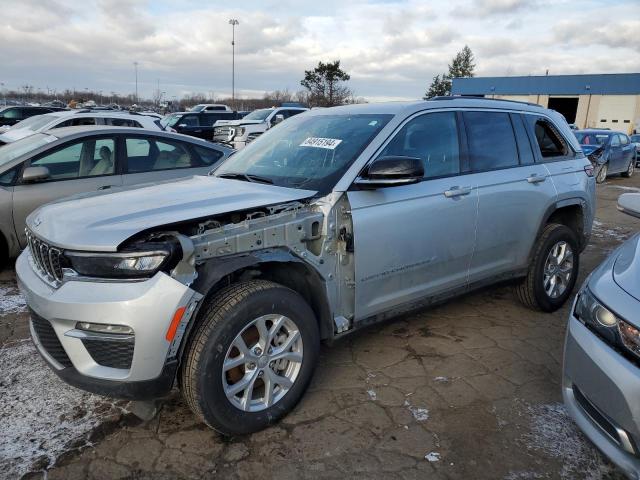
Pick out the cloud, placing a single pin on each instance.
(392, 49)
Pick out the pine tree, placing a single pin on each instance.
(461, 66)
(326, 84)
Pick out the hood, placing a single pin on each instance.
(16, 134)
(589, 149)
(626, 270)
(101, 223)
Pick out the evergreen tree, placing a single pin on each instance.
(325, 84)
(461, 66)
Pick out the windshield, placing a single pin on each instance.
(170, 120)
(197, 108)
(308, 152)
(259, 114)
(34, 123)
(635, 138)
(13, 150)
(592, 138)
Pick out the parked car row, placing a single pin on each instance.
(11, 115)
(225, 283)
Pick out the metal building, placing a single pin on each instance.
(590, 101)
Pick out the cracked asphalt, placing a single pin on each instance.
(469, 389)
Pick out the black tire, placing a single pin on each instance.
(602, 174)
(4, 253)
(630, 169)
(531, 290)
(222, 318)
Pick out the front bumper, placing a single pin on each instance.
(147, 307)
(601, 391)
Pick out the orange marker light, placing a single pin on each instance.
(171, 332)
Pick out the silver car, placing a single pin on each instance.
(48, 166)
(601, 382)
(336, 219)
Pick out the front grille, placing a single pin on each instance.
(47, 337)
(114, 354)
(45, 257)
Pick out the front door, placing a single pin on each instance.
(77, 167)
(417, 240)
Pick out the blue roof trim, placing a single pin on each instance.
(597, 84)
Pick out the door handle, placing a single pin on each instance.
(534, 178)
(457, 192)
(105, 187)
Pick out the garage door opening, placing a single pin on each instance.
(566, 106)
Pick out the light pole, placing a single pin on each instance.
(135, 66)
(233, 22)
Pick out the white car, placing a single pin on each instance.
(74, 118)
(238, 133)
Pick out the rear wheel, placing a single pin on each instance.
(602, 173)
(553, 270)
(251, 358)
(630, 169)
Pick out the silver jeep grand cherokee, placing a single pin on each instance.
(336, 219)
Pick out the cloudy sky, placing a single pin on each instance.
(391, 48)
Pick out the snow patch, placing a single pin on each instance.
(41, 416)
(553, 432)
(441, 379)
(432, 456)
(420, 414)
(11, 303)
(372, 395)
(622, 187)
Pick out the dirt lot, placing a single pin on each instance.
(470, 389)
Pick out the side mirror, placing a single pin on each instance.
(391, 171)
(35, 174)
(629, 203)
(278, 119)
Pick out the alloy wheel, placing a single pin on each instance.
(262, 363)
(602, 173)
(632, 166)
(558, 269)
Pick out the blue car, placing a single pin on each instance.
(601, 379)
(610, 152)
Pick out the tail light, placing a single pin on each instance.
(588, 169)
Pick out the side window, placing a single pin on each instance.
(122, 122)
(433, 138)
(491, 141)
(139, 158)
(11, 113)
(66, 123)
(549, 142)
(82, 159)
(294, 112)
(76, 122)
(189, 121)
(524, 146)
(208, 156)
(624, 140)
(615, 140)
(172, 155)
(7, 178)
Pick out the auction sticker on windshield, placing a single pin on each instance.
(318, 142)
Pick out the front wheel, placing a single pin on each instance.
(553, 269)
(630, 169)
(602, 173)
(251, 358)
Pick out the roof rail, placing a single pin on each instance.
(480, 97)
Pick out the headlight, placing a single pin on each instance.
(613, 330)
(135, 264)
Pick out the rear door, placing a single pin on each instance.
(155, 159)
(616, 155)
(628, 152)
(78, 166)
(513, 192)
(417, 240)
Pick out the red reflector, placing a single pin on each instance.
(171, 332)
(588, 169)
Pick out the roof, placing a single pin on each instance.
(395, 108)
(596, 84)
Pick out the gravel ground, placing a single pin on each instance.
(470, 389)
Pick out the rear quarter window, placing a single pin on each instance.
(547, 140)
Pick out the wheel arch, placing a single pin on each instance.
(277, 265)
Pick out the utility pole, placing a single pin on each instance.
(135, 66)
(233, 22)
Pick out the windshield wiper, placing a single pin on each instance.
(246, 177)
